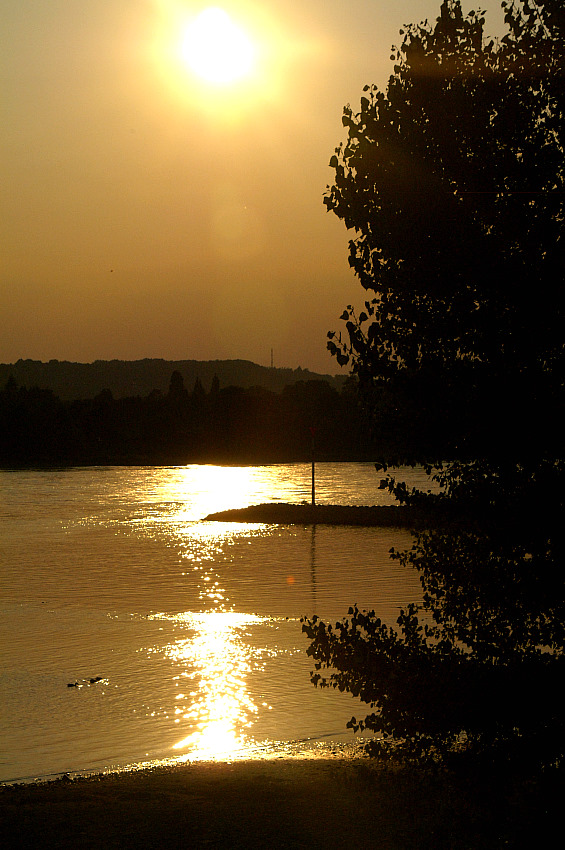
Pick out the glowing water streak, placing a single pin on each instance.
(221, 710)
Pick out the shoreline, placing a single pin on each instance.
(280, 513)
(279, 803)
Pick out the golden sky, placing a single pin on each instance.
(149, 212)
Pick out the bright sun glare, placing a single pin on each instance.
(217, 49)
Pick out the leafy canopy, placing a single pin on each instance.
(452, 181)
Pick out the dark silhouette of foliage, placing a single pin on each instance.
(453, 183)
(177, 390)
(226, 425)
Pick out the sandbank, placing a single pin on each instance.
(386, 516)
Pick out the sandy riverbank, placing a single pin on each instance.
(284, 803)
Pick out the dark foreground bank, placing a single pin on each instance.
(277, 804)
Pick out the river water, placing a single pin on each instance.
(190, 629)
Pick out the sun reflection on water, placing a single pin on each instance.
(206, 489)
(218, 710)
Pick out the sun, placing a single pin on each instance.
(217, 49)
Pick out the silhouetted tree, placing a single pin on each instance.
(198, 393)
(177, 390)
(453, 183)
(215, 386)
(105, 398)
(11, 387)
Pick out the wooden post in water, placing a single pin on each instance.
(313, 432)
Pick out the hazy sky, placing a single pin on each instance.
(149, 213)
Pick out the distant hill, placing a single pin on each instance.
(126, 378)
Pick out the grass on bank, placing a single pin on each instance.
(284, 803)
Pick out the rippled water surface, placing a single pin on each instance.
(190, 629)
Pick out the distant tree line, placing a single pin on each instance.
(223, 425)
(126, 378)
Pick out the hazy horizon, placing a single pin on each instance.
(333, 371)
(148, 213)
